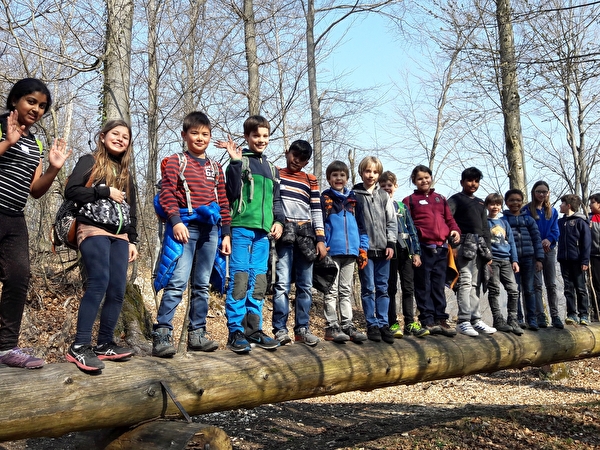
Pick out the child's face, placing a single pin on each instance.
(258, 140)
(370, 176)
(514, 203)
(594, 207)
(338, 180)
(31, 108)
(494, 209)
(116, 140)
(422, 181)
(295, 161)
(197, 140)
(388, 187)
(540, 193)
(564, 208)
(469, 186)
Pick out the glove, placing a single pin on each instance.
(362, 259)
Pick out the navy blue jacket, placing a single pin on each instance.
(527, 236)
(575, 240)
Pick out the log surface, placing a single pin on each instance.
(59, 398)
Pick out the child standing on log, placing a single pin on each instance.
(107, 238)
(21, 175)
(435, 227)
(377, 211)
(194, 211)
(253, 192)
(594, 202)
(347, 242)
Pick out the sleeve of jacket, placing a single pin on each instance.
(536, 239)
(412, 232)
(168, 190)
(585, 241)
(510, 237)
(554, 230)
(278, 215)
(233, 183)
(487, 235)
(391, 222)
(76, 189)
(132, 230)
(223, 203)
(316, 211)
(449, 217)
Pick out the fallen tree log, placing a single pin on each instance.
(59, 398)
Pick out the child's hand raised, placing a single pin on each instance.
(59, 153)
(15, 129)
(234, 150)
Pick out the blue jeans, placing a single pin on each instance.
(197, 259)
(525, 281)
(374, 291)
(430, 279)
(291, 262)
(248, 272)
(105, 259)
(578, 303)
(548, 277)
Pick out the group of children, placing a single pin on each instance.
(254, 205)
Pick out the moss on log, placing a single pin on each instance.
(59, 398)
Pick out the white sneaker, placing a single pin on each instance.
(466, 328)
(482, 327)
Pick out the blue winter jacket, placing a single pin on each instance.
(527, 236)
(548, 227)
(344, 235)
(173, 249)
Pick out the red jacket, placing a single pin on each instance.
(432, 217)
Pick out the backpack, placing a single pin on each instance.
(247, 175)
(64, 228)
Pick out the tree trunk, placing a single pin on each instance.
(117, 60)
(315, 109)
(510, 99)
(251, 58)
(59, 398)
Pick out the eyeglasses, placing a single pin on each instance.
(542, 192)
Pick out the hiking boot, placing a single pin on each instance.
(354, 334)
(584, 320)
(501, 325)
(416, 329)
(557, 323)
(374, 334)
(19, 358)
(260, 339)
(522, 324)
(198, 341)
(542, 322)
(304, 335)
(238, 343)
(433, 329)
(466, 328)
(572, 319)
(283, 337)
(481, 327)
(445, 329)
(161, 343)
(336, 335)
(112, 351)
(395, 328)
(515, 327)
(386, 334)
(84, 357)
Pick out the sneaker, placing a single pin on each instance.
(433, 329)
(260, 339)
(336, 335)
(557, 323)
(237, 342)
(584, 320)
(416, 329)
(501, 325)
(198, 341)
(112, 351)
(85, 358)
(446, 330)
(374, 334)
(19, 358)
(386, 334)
(162, 343)
(354, 334)
(304, 335)
(395, 328)
(466, 328)
(532, 324)
(542, 322)
(283, 337)
(572, 319)
(481, 327)
(515, 327)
